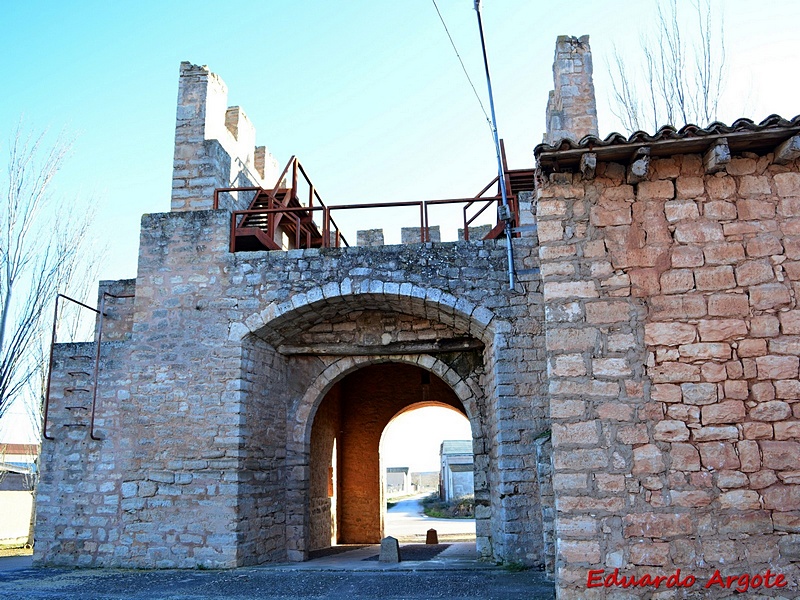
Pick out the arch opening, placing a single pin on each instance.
(427, 461)
(346, 494)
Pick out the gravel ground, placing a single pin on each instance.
(272, 582)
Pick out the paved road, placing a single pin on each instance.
(265, 583)
(405, 521)
(456, 579)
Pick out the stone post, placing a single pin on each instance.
(571, 107)
(202, 104)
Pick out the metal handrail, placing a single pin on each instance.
(328, 225)
(98, 337)
(328, 220)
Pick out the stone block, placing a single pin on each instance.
(369, 237)
(780, 455)
(753, 185)
(699, 393)
(777, 366)
(788, 389)
(571, 339)
(647, 459)
(786, 521)
(751, 348)
(390, 550)
(678, 210)
(655, 190)
(650, 554)
(657, 525)
(690, 498)
(718, 455)
(688, 256)
(615, 411)
(787, 430)
(671, 431)
(787, 184)
(569, 289)
(763, 245)
(790, 322)
(769, 295)
(774, 410)
(607, 312)
(740, 500)
(611, 367)
(576, 551)
(669, 334)
(666, 392)
(685, 457)
(678, 307)
(610, 212)
(567, 365)
(712, 279)
(719, 188)
(764, 326)
(413, 235)
(728, 305)
(735, 389)
(575, 433)
(710, 433)
(700, 231)
(705, 351)
(783, 498)
(677, 281)
(729, 411)
(716, 330)
(752, 210)
(476, 232)
(762, 479)
(676, 372)
(726, 253)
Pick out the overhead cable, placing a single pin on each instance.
(463, 67)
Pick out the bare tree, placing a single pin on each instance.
(41, 253)
(679, 81)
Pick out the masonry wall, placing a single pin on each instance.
(79, 495)
(201, 406)
(324, 484)
(672, 330)
(261, 474)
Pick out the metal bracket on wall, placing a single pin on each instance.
(96, 370)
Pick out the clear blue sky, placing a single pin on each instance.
(367, 92)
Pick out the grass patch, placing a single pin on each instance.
(515, 566)
(463, 508)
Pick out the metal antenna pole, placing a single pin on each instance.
(500, 173)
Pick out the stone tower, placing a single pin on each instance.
(571, 106)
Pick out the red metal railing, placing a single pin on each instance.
(283, 202)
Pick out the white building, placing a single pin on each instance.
(456, 479)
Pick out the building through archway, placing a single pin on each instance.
(346, 495)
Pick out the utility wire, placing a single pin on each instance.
(464, 68)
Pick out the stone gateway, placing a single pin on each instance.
(634, 402)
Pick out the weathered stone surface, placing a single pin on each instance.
(390, 550)
(780, 455)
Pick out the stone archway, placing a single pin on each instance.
(296, 349)
(342, 495)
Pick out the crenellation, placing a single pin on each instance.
(214, 145)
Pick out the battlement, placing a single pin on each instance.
(214, 145)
